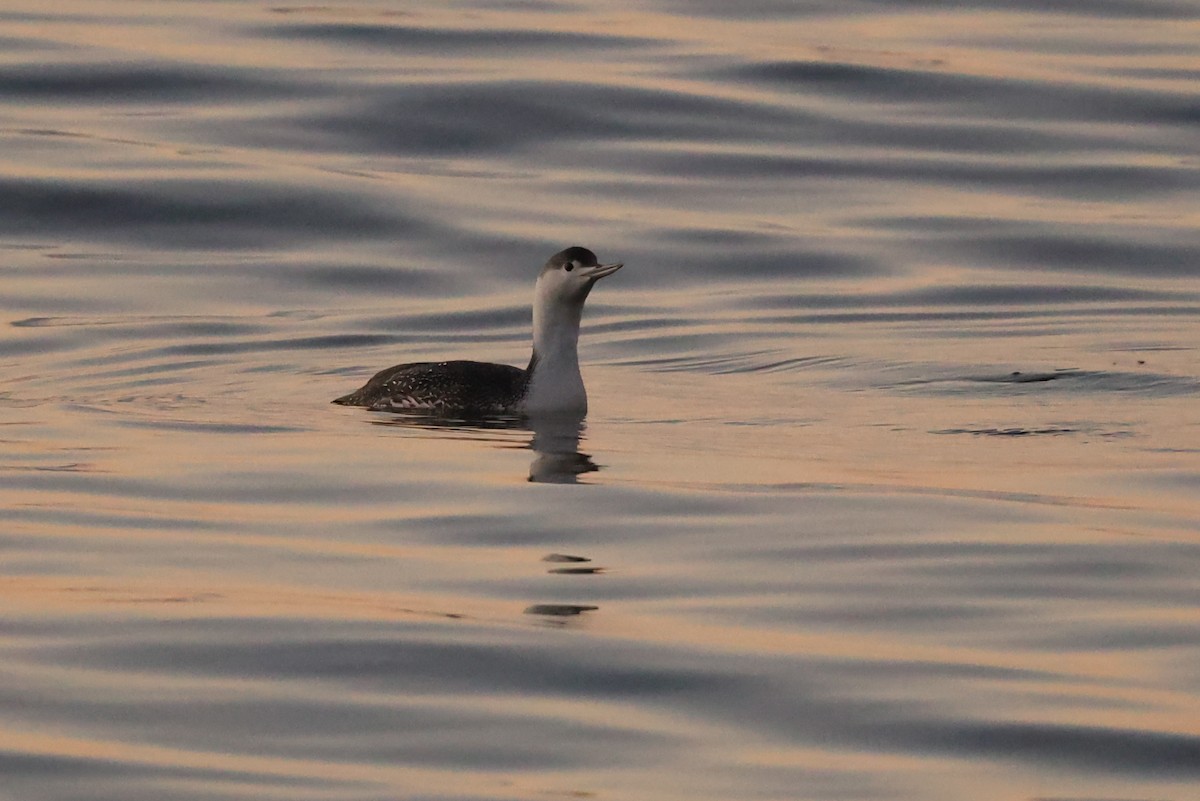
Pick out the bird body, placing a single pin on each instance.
(442, 387)
(551, 383)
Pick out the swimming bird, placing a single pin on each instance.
(551, 383)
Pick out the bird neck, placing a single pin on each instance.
(555, 383)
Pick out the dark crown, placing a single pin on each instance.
(582, 256)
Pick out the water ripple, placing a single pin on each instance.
(209, 214)
(485, 42)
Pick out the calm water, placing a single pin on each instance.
(891, 484)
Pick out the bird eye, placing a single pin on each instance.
(569, 266)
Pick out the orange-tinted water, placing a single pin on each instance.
(894, 408)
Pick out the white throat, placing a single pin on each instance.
(556, 384)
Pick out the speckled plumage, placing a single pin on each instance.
(443, 387)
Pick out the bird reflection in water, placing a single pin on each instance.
(557, 460)
(555, 443)
(555, 439)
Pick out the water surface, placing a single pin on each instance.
(889, 485)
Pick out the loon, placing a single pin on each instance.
(550, 384)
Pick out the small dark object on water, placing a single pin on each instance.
(564, 557)
(560, 610)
